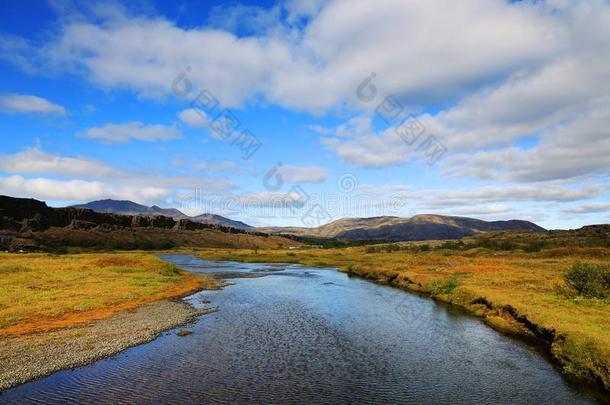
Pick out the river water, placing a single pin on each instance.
(303, 335)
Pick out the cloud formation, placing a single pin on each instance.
(122, 133)
(314, 66)
(299, 174)
(37, 161)
(589, 208)
(83, 179)
(518, 92)
(194, 118)
(75, 190)
(28, 104)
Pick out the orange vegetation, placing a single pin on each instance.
(39, 293)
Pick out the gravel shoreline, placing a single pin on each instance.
(24, 358)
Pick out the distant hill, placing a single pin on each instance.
(220, 220)
(125, 207)
(419, 227)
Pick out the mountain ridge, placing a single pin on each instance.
(27, 224)
(380, 228)
(418, 227)
(126, 207)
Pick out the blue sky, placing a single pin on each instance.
(490, 109)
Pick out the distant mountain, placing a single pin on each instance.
(125, 207)
(31, 225)
(419, 227)
(220, 220)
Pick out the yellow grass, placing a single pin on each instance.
(40, 292)
(531, 284)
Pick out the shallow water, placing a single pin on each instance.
(298, 334)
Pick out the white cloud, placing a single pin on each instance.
(83, 179)
(320, 129)
(36, 161)
(522, 86)
(278, 200)
(561, 107)
(297, 9)
(142, 189)
(417, 60)
(245, 205)
(495, 194)
(194, 117)
(18, 51)
(121, 133)
(298, 174)
(75, 190)
(318, 65)
(28, 104)
(481, 200)
(235, 17)
(216, 166)
(558, 104)
(596, 207)
(369, 150)
(580, 147)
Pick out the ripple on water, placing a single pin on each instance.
(301, 335)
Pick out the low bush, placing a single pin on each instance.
(534, 246)
(589, 280)
(452, 245)
(444, 286)
(170, 270)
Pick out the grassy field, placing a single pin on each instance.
(41, 292)
(516, 292)
(513, 291)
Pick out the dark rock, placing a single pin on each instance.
(78, 224)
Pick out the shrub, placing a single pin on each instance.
(589, 280)
(170, 270)
(452, 245)
(372, 249)
(444, 286)
(388, 248)
(534, 246)
(506, 245)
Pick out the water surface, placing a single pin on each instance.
(304, 335)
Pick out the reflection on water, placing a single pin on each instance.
(299, 334)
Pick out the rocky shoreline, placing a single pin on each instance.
(24, 358)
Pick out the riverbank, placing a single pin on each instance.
(43, 292)
(515, 293)
(27, 357)
(59, 312)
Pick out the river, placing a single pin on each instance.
(302, 335)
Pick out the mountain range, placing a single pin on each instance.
(31, 225)
(385, 228)
(124, 207)
(419, 227)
